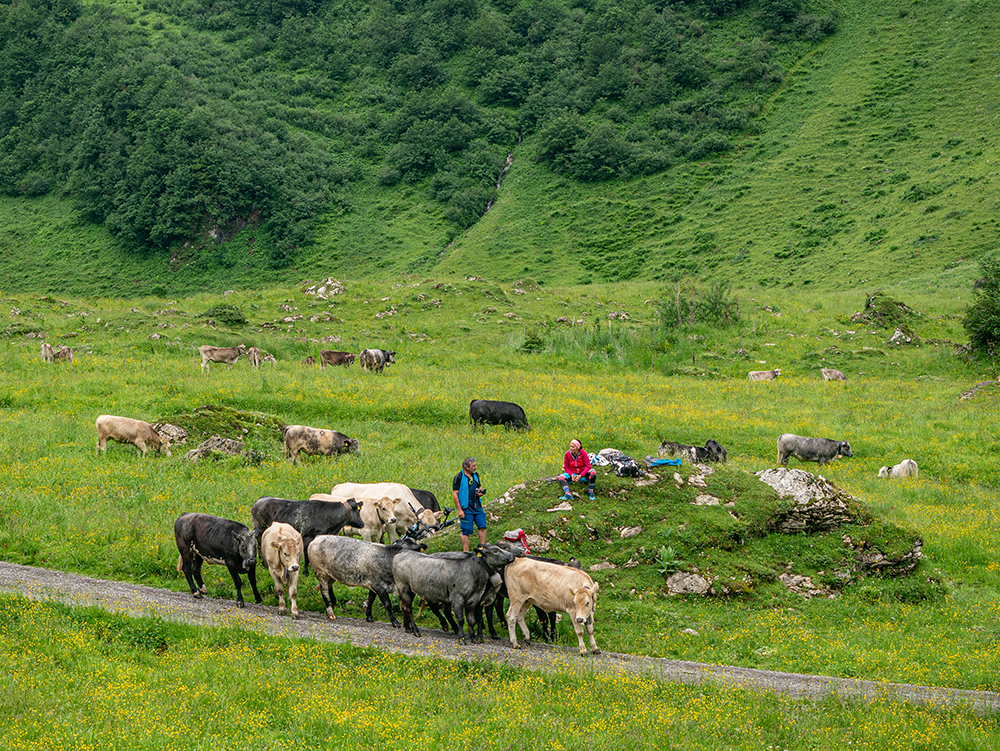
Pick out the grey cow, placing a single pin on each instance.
(356, 563)
(459, 580)
(821, 450)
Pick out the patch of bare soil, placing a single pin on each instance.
(135, 600)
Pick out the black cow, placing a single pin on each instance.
(426, 499)
(712, 452)
(356, 563)
(807, 449)
(310, 518)
(456, 579)
(376, 359)
(202, 537)
(489, 412)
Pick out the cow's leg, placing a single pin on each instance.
(512, 624)
(252, 577)
(196, 571)
(522, 611)
(293, 593)
(329, 599)
(590, 633)
(578, 627)
(368, 607)
(234, 572)
(187, 566)
(280, 591)
(406, 605)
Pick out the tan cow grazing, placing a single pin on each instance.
(228, 355)
(553, 588)
(281, 548)
(764, 375)
(126, 430)
(333, 357)
(65, 354)
(47, 354)
(317, 441)
(830, 374)
(377, 514)
(253, 357)
(906, 468)
(309, 361)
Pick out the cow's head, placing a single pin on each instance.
(715, 450)
(494, 557)
(884, 472)
(247, 547)
(585, 601)
(354, 514)
(353, 445)
(289, 549)
(241, 348)
(390, 356)
(386, 510)
(844, 449)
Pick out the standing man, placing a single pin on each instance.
(468, 494)
(576, 468)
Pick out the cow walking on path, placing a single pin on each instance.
(202, 537)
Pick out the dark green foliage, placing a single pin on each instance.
(982, 317)
(227, 315)
(211, 419)
(885, 312)
(223, 115)
(714, 305)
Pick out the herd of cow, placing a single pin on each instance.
(460, 588)
(370, 359)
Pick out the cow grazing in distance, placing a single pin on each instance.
(282, 551)
(553, 588)
(310, 518)
(126, 430)
(426, 499)
(228, 355)
(316, 441)
(355, 563)
(377, 359)
(332, 357)
(831, 374)
(63, 355)
(490, 412)
(906, 468)
(46, 352)
(806, 449)
(253, 357)
(458, 580)
(309, 361)
(711, 452)
(202, 537)
(764, 375)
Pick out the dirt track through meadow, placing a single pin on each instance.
(131, 599)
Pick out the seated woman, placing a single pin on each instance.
(576, 468)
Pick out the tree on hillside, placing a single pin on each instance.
(982, 318)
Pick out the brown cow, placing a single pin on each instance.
(333, 357)
(764, 375)
(281, 548)
(64, 354)
(126, 430)
(253, 356)
(309, 361)
(830, 374)
(315, 441)
(553, 588)
(228, 355)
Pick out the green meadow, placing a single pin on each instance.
(621, 382)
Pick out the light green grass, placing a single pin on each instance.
(72, 678)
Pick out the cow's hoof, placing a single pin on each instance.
(241, 605)
(595, 651)
(394, 624)
(369, 619)
(515, 646)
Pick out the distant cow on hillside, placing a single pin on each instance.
(490, 412)
(764, 375)
(228, 355)
(333, 357)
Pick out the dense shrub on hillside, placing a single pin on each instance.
(982, 318)
(714, 305)
(238, 113)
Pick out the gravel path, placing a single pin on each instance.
(44, 584)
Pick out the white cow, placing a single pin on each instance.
(126, 430)
(281, 548)
(906, 468)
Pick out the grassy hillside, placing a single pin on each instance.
(873, 161)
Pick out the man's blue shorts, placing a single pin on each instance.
(472, 517)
